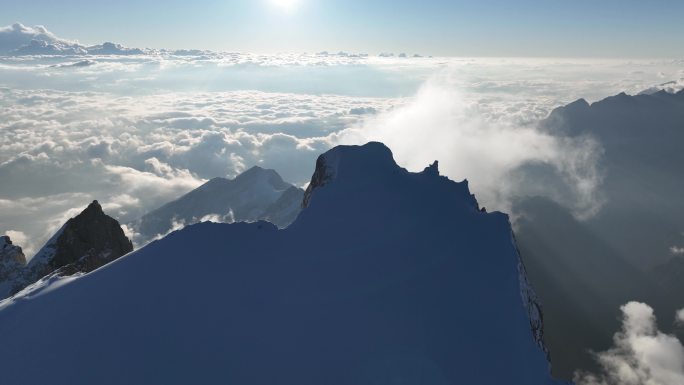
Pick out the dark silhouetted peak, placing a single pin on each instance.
(432, 169)
(12, 260)
(351, 164)
(91, 234)
(418, 286)
(84, 243)
(10, 252)
(94, 209)
(579, 104)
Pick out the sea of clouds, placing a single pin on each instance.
(137, 130)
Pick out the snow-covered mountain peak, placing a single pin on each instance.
(94, 209)
(85, 242)
(387, 276)
(364, 161)
(256, 194)
(257, 174)
(351, 164)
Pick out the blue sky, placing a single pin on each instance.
(579, 28)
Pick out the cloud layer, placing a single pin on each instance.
(18, 39)
(502, 160)
(642, 354)
(137, 131)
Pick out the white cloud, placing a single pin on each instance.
(134, 154)
(642, 354)
(679, 318)
(20, 39)
(439, 124)
(137, 131)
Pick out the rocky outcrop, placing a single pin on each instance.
(86, 242)
(322, 174)
(12, 259)
(9, 252)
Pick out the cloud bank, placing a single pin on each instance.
(501, 160)
(642, 354)
(18, 39)
(135, 131)
(59, 150)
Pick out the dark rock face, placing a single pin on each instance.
(90, 239)
(320, 177)
(86, 242)
(12, 259)
(10, 252)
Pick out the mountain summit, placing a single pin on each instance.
(83, 244)
(386, 276)
(12, 260)
(256, 194)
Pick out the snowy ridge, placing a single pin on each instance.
(387, 276)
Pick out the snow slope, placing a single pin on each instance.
(385, 277)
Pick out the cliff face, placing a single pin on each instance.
(83, 244)
(90, 240)
(12, 261)
(10, 253)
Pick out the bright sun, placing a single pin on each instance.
(286, 5)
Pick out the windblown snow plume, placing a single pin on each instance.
(642, 354)
(502, 160)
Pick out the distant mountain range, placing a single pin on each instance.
(386, 276)
(256, 194)
(93, 239)
(585, 269)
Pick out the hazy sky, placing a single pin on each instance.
(579, 28)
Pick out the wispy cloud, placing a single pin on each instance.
(677, 250)
(494, 156)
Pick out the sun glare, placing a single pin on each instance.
(286, 5)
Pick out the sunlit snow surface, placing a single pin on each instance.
(386, 277)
